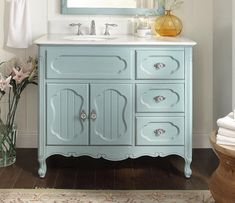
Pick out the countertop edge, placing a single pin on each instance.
(120, 41)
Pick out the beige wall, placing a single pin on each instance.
(222, 60)
(197, 16)
(28, 108)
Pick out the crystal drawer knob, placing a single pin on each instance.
(159, 99)
(159, 66)
(83, 116)
(159, 132)
(93, 115)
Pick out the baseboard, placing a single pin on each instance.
(27, 139)
(201, 140)
(30, 140)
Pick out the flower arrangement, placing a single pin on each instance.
(173, 4)
(163, 5)
(159, 9)
(15, 76)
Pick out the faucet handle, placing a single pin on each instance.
(107, 25)
(75, 24)
(93, 29)
(79, 27)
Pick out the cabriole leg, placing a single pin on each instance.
(42, 167)
(187, 168)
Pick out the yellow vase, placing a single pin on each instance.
(168, 25)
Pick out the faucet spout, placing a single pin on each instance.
(93, 29)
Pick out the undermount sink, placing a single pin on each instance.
(90, 37)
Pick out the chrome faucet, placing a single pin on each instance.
(107, 25)
(79, 32)
(93, 30)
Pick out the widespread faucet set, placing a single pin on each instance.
(93, 28)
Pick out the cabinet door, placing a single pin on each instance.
(67, 107)
(111, 114)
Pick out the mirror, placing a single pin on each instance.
(128, 7)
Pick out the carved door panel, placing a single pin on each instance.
(67, 108)
(111, 114)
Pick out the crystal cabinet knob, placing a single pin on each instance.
(159, 98)
(159, 66)
(83, 115)
(159, 132)
(93, 115)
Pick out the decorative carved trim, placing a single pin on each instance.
(160, 65)
(123, 109)
(57, 71)
(157, 99)
(54, 110)
(113, 158)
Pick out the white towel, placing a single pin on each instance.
(222, 138)
(19, 33)
(227, 122)
(226, 132)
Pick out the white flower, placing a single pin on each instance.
(20, 75)
(4, 83)
(173, 4)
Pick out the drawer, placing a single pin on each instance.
(89, 63)
(160, 98)
(160, 131)
(160, 64)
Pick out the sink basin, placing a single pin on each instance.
(89, 37)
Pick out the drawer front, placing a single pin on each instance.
(160, 64)
(160, 97)
(160, 131)
(89, 63)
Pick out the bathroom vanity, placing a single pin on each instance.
(116, 98)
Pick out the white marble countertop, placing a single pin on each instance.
(59, 39)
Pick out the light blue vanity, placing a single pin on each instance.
(115, 99)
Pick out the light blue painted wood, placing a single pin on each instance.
(113, 11)
(160, 97)
(160, 130)
(116, 153)
(89, 63)
(42, 154)
(113, 107)
(188, 110)
(106, 94)
(65, 106)
(159, 64)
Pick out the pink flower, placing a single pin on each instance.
(20, 75)
(4, 83)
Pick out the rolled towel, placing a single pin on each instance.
(227, 122)
(222, 138)
(19, 34)
(226, 132)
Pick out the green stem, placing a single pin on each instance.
(7, 139)
(14, 111)
(10, 110)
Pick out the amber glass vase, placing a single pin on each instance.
(168, 25)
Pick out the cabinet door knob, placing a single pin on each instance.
(83, 115)
(93, 115)
(159, 98)
(159, 66)
(159, 132)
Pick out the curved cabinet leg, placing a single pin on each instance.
(187, 168)
(42, 167)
